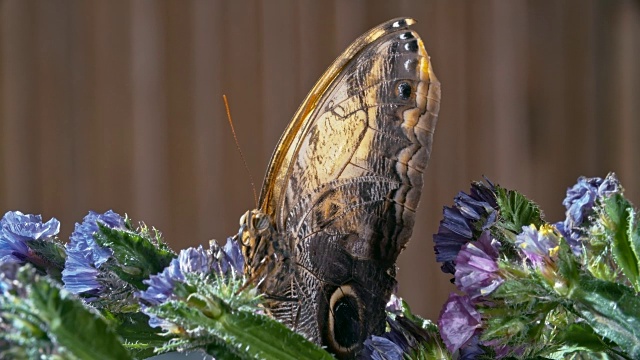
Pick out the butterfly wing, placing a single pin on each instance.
(344, 183)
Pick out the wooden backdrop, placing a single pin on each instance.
(118, 105)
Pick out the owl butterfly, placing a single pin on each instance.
(339, 199)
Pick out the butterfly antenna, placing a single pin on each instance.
(235, 138)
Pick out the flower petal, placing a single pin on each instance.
(477, 267)
(461, 223)
(459, 322)
(381, 348)
(85, 256)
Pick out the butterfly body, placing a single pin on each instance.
(339, 199)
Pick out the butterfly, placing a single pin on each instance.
(340, 194)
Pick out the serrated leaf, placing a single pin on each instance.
(137, 256)
(268, 338)
(634, 240)
(516, 210)
(139, 338)
(620, 222)
(580, 342)
(52, 254)
(568, 268)
(612, 310)
(241, 334)
(210, 312)
(70, 324)
(577, 337)
(505, 326)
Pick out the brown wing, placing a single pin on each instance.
(345, 180)
(361, 139)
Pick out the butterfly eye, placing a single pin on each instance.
(404, 90)
(260, 222)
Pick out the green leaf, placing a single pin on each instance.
(211, 313)
(429, 352)
(517, 211)
(505, 326)
(568, 268)
(620, 221)
(52, 256)
(634, 242)
(268, 338)
(137, 256)
(424, 324)
(580, 337)
(580, 342)
(139, 338)
(240, 334)
(612, 310)
(70, 325)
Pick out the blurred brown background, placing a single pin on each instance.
(117, 105)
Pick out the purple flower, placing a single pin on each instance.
(85, 256)
(381, 348)
(470, 215)
(582, 196)
(402, 335)
(228, 258)
(17, 229)
(459, 322)
(471, 350)
(408, 335)
(580, 201)
(394, 305)
(538, 246)
(477, 267)
(161, 286)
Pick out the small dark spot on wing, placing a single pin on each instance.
(407, 35)
(411, 46)
(404, 90)
(400, 23)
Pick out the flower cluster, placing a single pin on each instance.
(527, 288)
(161, 300)
(523, 279)
(227, 260)
(127, 274)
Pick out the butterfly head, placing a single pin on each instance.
(255, 233)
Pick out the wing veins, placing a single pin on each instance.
(314, 203)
